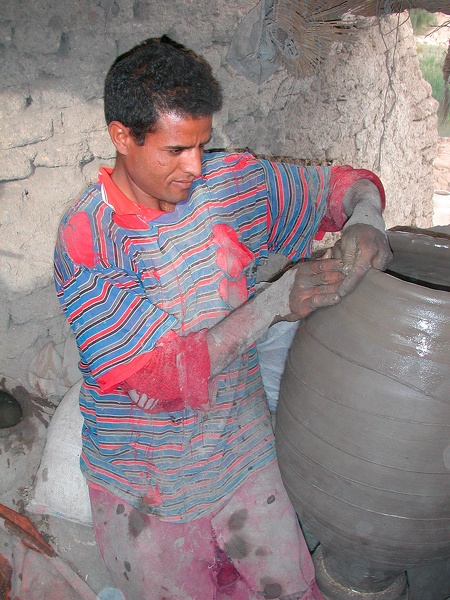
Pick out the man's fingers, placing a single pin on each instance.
(366, 245)
(322, 265)
(384, 257)
(323, 299)
(327, 254)
(353, 278)
(316, 300)
(315, 283)
(304, 301)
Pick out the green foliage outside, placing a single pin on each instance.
(431, 58)
(431, 62)
(422, 20)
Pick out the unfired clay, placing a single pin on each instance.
(363, 418)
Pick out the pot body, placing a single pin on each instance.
(363, 420)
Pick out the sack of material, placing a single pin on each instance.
(61, 489)
(273, 348)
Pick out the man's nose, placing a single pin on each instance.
(193, 162)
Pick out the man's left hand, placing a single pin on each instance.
(360, 248)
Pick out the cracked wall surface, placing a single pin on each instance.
(370, 107)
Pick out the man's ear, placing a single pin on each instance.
(120, 137)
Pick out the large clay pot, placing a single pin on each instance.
(363, 420)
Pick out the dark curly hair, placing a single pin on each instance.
(159, 76)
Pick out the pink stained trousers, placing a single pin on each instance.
(250, 548)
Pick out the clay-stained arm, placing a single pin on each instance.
(300, 291)
(180, 371)
(364, 243)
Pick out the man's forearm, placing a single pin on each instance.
(230, 338)
(364, 243)
(362, 203)
(302, 289)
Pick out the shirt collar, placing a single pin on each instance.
(121, 204)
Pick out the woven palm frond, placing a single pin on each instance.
(305, 30)
(371, 8)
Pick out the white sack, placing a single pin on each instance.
(61, 489)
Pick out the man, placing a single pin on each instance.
(155, 268)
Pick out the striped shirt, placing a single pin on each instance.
(127, 275)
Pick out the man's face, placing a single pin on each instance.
(160, 173)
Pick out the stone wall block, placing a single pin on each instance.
(427, 107)
(15, 164)
(48, 93)
(149, 19)
(6, 34)
(21, 338)
(84, 118)
(286, 90)
(4, 315)
(39, 305)
(56, 66)
(362, 141)
(214, 56)
(62, 151)
(226, 17)
(236, 89)
(29, 127)
(100, 144)
(268, 136)
(17, 69)
(91, 51)
(58, 122)
(29, 229)
(183, 22)
(185, 30)
(13, 101)
(128, 38)
(219, 139)
(36, 38)
(235, 129)
(429, 153)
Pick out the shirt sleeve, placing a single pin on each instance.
(175, 376)
(297, 202)
(340, 180)
(306, 202)
(114, 322)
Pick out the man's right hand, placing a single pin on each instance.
(316, 284)
(297, 293)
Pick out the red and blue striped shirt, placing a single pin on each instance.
(127, 275)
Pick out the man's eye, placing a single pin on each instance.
(176, 150)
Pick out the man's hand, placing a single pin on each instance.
(299, 291)
(360, 248)
(316, 284)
